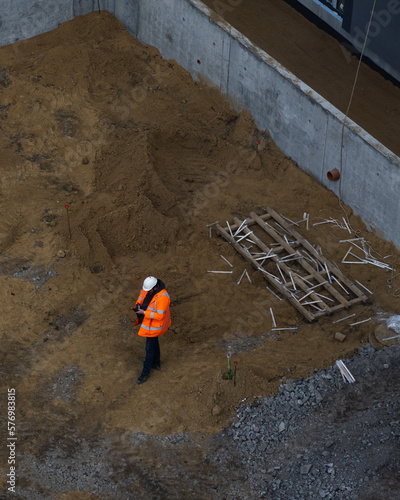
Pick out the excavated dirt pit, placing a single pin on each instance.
(144, 158)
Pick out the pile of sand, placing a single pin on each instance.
(144, 158)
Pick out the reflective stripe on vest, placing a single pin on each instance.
(152, 328)
(161, 311)
(155, 310)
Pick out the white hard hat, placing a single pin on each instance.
(149, 283)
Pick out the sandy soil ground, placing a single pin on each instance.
(319, 60)
(144, 158)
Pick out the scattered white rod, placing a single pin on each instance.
(349, 250)
(306, 281)
(341, 286)
(286, 259)
(274, 228)
(324, 297)
(366, 250)
(358, 322)
(377, 263)
(276, 329)
(347, 226)
(250, 241)
(289, 220)
(342, 319)
(345, 371)
(244, 236)
(371, 260)
(262, 257)
(212, 224)
(221, 272)
(350, 240)
(283, 229)
(227, 261)
(306, 295)
(391, 338)
(280, 272)
(317, 285)
(291, 277)
(361, 248)
(365, 288)
(229, 227)
(248, 277)
(307, 221)
(262, 263)
(327, 272)
(269, 274)
(240, 227)
(317, 308)
(286, 239)
(240, 279)
(325, 222)
(266, 257)
(273, 293)
(313, 302)
(209, 232)
(273, 318)
(359, 258)
(352, 262)
(307, 256)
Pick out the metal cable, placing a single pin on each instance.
(351, 98)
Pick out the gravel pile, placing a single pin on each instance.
(318, 438)
(323, 437)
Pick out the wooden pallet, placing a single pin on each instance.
(312, 284)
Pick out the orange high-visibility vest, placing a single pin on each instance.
(157, 318)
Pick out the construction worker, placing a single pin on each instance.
(152, 309)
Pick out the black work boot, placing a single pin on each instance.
(142, 379)
(157, 366)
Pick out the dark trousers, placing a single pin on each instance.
(152, 354)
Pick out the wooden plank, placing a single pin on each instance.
(262, 246)
(270, 279)
(286, 272)
(250, 222)
(337, 308)
(301, 262)
(319, 256)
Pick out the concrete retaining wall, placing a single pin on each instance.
(303, 124)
